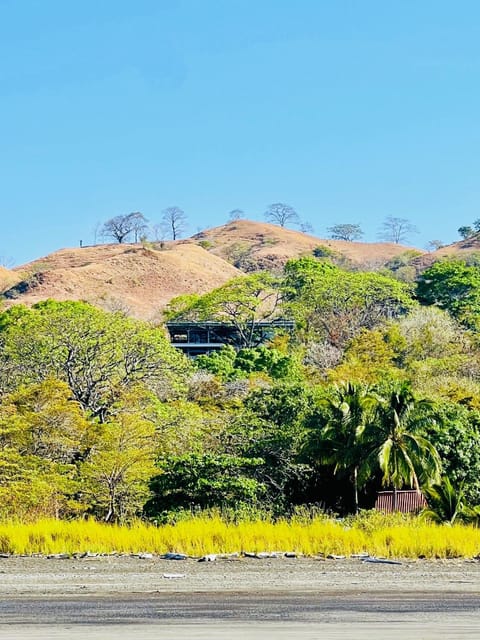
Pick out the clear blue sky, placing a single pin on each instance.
(347, 110)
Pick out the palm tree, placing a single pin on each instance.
(340, 442)
(445, 502)
(404, 455)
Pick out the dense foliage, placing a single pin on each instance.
(377, 386)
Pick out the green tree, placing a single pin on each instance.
(42, 420)
(116, 474)
(220, 362)
(334, 304)
(395, 437)
(446, 504)
(269, 360)
(32, 487)
(456, 436)
(403, 266)
(454, 286)
(466, 232)
(194, 480)
(370, 357)
(348, 232)
(98, 354)
(243, 302)
(271, 426)
(339, 441)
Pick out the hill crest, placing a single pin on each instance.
(269, 246)
(137, 279)
(142, 278)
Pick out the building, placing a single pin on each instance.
(197, 338)
(404, 501)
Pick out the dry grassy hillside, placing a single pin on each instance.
(7, 278)
(270, 246)
(461, 250)
(142, 279)
(137, 279)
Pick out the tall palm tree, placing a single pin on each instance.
(404, 455)
(340, 443)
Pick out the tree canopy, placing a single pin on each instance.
(376, 385)
(455, 286)
(95, 352)
(282, 214)
(120, 228)
(336, 305)
(345, 231)
(243, 302)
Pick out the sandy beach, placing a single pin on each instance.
(109, 575)
(121, 597)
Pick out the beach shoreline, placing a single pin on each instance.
(117, 574)
(121, 597)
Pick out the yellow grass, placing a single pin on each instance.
(411, 538)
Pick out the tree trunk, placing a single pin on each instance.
(111, 506)
(355, 489)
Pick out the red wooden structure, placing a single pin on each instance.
(404, 501)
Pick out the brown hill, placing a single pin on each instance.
(463, 249)
(251, 245)
(137, 279)
(142, 279)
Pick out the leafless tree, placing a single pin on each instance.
(396, 230)
(158, 231)
(236, 214)
(174, 221)
(7, 262)
(139, 225)
(97, 230)
(306, 227)
(281, 214)
(434, 245)
(120, 227)
(323, 355)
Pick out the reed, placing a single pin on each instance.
(201, 534)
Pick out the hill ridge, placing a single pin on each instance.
(142, 278)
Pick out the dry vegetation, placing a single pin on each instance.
(8, 278)
(140, 280)
(271, 245)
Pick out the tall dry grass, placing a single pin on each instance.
(380, 536)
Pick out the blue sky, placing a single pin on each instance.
(350, 111)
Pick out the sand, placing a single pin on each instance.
(125, 597)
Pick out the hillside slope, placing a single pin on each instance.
(142, 279)
(131, 277)
(269, 246)
(461, 250)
